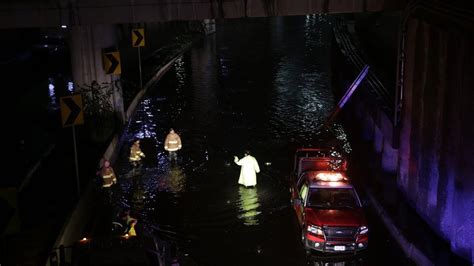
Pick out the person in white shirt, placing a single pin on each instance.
(249, 169)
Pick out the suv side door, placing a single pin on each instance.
(301, 195)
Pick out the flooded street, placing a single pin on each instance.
(380, 92)
(257, 84)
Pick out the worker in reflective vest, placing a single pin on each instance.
(130, 223)
(136, 153)
(108, 175)
(131, 231)
(172, 144)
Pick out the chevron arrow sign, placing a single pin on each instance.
(138, 37)
(112, 63)
(71, 110)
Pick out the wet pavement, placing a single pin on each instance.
(258, 84)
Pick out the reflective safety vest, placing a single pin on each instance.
(108, 176)
(131, 222)
(136, 153)
(172, 142)
(132, 231)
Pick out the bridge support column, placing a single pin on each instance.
(378, 139)
(102, 92)
(209, 26)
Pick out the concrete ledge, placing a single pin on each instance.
(111, 151)
(73, 228)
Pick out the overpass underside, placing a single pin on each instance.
(49, 13)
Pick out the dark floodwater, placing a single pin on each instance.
(258, 84)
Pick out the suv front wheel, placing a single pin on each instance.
(303, 241)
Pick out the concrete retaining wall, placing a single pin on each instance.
(437, 136)
(378, 129)
(436, 141)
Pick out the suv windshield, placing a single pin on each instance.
(332, 198)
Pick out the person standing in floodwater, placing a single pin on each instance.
(172, 145)
(249, 169)
(136, 153)
(108, 175)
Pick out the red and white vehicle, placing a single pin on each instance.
(327, 206)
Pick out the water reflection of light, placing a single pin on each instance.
(138, 196)
(248, 205)
(298, 104)
(173, 181)
(314, 35)
(302, 93)
(147, 126)
(70, 86)
(180, 71)
(224, 68)
(340, 134)
(177, 179)
(51, 90)
(52, 93)
(309, 28)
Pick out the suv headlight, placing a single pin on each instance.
(363, 230)
(315, 230)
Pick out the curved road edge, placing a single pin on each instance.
(410, 250)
